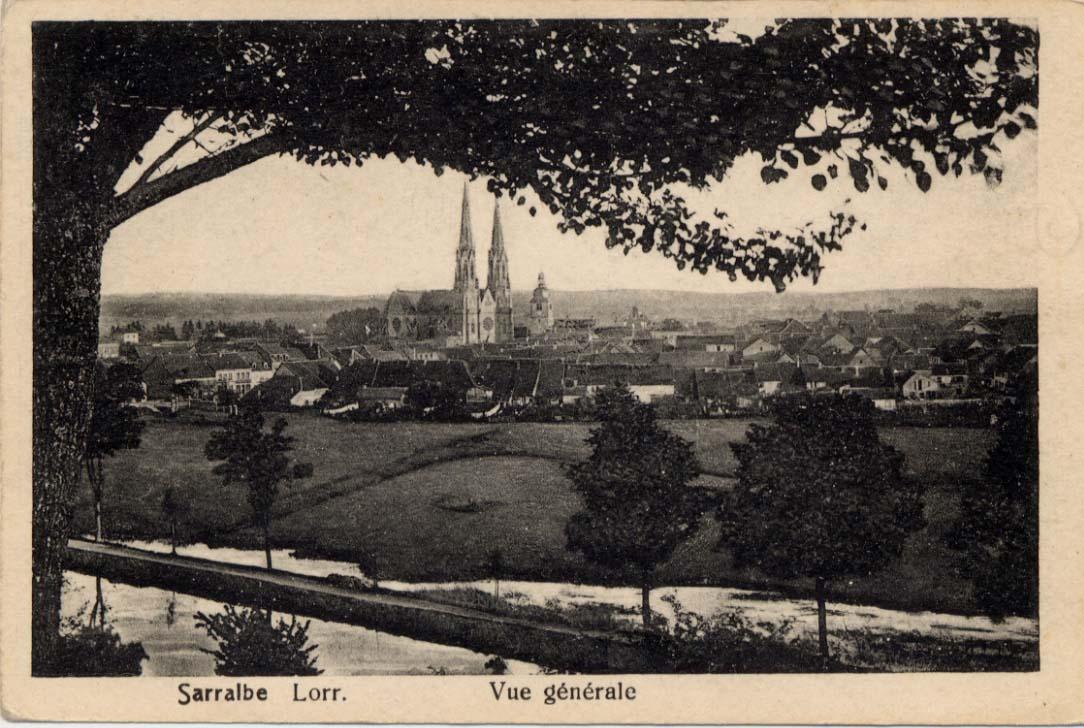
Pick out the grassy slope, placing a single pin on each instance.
(412, 501)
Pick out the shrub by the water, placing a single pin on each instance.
(251, 644)
(93, 651)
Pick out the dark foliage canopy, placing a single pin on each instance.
(257, 458)
(114, 424)
(638, 504)
(610, 123)
(94, 651)
(818, 494)
(997, 531)
(355, 326)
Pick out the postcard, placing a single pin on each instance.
(599, 362)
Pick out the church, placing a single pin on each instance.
(466, 314)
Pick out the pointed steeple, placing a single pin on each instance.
(465, 277)
(466, 238)
(498, 280)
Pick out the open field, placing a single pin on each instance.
(418, 502)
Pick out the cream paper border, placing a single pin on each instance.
(1053, 695)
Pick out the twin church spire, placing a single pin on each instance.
(498, 281)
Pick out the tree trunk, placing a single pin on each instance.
(645, 599)
(67, 265)
(496, 589)
(173, 537)
(267, 544)
(822, 622)
(100, 600)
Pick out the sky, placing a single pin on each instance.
(281, 227)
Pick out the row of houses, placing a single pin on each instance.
(884, 356)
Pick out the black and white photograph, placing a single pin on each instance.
(510, 347)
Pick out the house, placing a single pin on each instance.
(883, 398)
(952, 376)
(706, 342)
(164, 373)
(695, 359)
(908, 362)
(647, 383)
(108, 349)
(385, 398)
(860, 360)
(975, 326)
(129, 337)
(239, 371)
(836, 344)
(921, 385)
(771, 379)
(614, 332)
(821, 378)
(276, 354)
(295, 384)
(757, 346)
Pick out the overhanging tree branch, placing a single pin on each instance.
(152, 192)
(174, 148)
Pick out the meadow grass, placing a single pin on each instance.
(426, 501)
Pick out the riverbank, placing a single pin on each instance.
(583, 629)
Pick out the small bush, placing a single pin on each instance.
(250, 644)
(93, 651)
(728, 642)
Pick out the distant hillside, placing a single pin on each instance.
(738, 307)
(605, 306)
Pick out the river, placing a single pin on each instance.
(758, 606)
(165, 623)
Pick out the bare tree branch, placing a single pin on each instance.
(174, 148)
(152, 192)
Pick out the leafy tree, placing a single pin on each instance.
(819, 496)
(997, 530)
(114, 426)
(604, 122)
(250, 644)
(259, 460)
(428, 399)
(355, 326)
(225, 398)
(638, 504)
(185, 390)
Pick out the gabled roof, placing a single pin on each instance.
(228, 360)
(719, 384)
(605, 375)
(399, 304)
(693, 341)
(775, 372)
(309, 374)
(440, 303)
(180, 366)
(692, 359)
